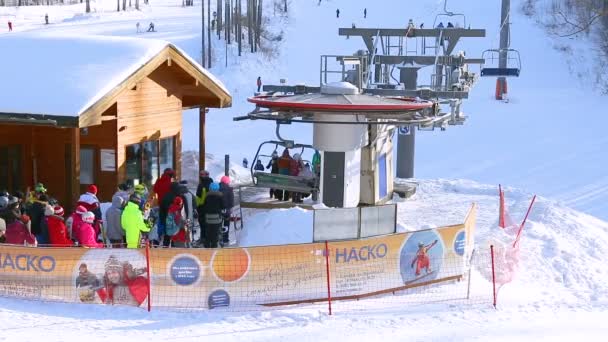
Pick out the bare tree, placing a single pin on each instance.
(571, 17)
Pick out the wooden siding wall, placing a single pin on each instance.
(46, 146)
(148, 112)
(101, 137)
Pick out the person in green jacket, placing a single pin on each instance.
(132, 221)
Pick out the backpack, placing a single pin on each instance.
(174, 223)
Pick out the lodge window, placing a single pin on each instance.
(10, 168)
(87, 165)
(145, 161)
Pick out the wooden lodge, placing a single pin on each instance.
(103, 112)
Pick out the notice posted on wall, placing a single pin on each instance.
(108, 160)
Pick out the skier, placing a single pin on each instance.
(228, 197)
(36, 213)
(259, 166)
(450, 25)
(137, 27)
(422, 258)
(273, 165)
(58, 233)
(176, 223)
(87, 233)
(74, 222)
(132, 221)
(201, 195)
(46, 19)
(284, 164)
(259, 83)
(245, 162)
(17, 225)
(10, 26)
(338, 13)
(364, 13)
(114, 229)
(151, 27)
(163, 184)
(211, 212)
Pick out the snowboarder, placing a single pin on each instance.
(137, 27)
(338, 13)
(422, 258)
(245, 162)
(259, 83)
(10, 26)
(364, 13)
(151, 28)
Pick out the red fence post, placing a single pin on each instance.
(521, 227)
(148, 273)
(328, 279)
(493, 276)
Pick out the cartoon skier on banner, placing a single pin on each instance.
(422, 259)
(123, 284)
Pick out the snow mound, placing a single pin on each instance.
(278, 227)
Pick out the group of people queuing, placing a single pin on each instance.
(35, 218)
(291, 166)
(162, 217)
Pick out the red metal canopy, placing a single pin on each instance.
(320, 102)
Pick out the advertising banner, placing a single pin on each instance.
(238, 277)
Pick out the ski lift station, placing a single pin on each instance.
(359, 105)
(350, 129)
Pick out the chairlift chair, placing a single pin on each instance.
(449, 14)
(283, 182)
(513, 63)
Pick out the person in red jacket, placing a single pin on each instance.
(76, 222)
(163, 185)
(123, 284)
(422, 260)
(17, 231)
(87, 233)
(58, 233)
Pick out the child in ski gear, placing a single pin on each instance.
(132, 221)
(87, 233)
(211, 212)
(58, 233)
(422, 258)
(176, 223)
(114, 229)
(74, 222)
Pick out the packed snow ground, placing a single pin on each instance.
(531, 143)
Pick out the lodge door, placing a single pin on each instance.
(11, 168)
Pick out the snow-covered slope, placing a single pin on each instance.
(548, 139)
